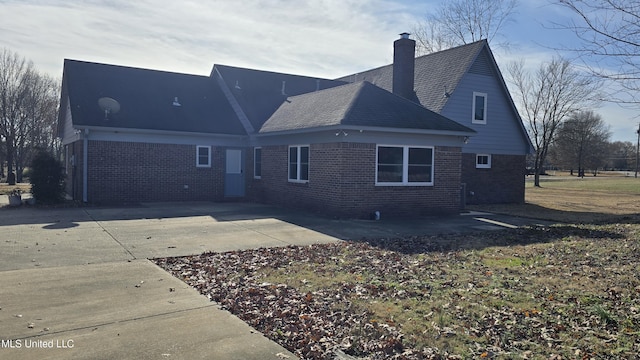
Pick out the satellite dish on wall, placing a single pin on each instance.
(109, 106)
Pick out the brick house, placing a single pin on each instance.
(345, 147)
(465, 84)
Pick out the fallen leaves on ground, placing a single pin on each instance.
(566, 292)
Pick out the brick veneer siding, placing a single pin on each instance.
(502, 183)
(342, 183)
(129, 172)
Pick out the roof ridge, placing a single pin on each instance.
(127, 67)
(454, 48)
(271, 72)
(334, 88)
(354, 98)
(416, 58)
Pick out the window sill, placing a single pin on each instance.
(413, 184)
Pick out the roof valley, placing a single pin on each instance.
(233, 102)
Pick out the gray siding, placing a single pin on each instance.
(68, 131)
(502, 134)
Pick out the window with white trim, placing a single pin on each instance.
(483, 161)
(203, 156)
(404, 165)
(257, 163)
(299, 163)
(479, 115)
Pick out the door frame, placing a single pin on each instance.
(234, 182)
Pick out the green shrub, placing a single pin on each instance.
(47, 178)
(26, 173)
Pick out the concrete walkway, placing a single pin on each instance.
(76, 283)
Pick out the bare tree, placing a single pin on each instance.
(28, 106)
(13, 70)
(39, 119)
(608, 34)
(459, 22)
(547, 97)
(582, 141)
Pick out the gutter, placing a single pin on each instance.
(470, 132)
(107, 129)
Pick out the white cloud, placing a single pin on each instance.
(321, 38)
(324, 38)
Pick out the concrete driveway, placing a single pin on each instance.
(80, 236)
(76, 283)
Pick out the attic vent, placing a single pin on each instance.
(176, 102)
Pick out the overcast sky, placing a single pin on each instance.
(322, 38)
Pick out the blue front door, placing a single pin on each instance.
(234, 174)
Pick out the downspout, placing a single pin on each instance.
(85, 164)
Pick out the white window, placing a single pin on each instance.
(483, 161)
(404, 165)
(299, 163)
(257, 163)
(479, 115)
(203, 156)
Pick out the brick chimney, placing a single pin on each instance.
(404, 52)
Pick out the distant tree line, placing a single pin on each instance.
(29, 102)
(582, 144)
(616, 156)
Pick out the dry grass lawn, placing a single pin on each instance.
(568, 291)
(5, 188)
(579, 201)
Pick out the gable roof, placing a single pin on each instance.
(359, 104)
(435, 73)
(438, 74)
(146, 99)
(260, 93)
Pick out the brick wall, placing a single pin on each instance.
(128, 172)
(502, 183)
(342, 183)
(341, 179)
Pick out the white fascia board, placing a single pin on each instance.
(370, 128)
(160, 136)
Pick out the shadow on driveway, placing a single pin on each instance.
(344, 229)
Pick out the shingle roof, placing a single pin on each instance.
(260, 93)
(146, 99)
(357, 104)
(434, 73)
